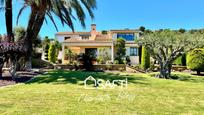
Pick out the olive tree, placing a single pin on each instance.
(166, 46)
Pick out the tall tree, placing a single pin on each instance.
(120, 50)
(61, 8)
(9, 27)
(7, 6)
(165, 46)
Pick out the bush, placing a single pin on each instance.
(116, 62)
(145, 64)
(108, 67)
(120, 50)
(52, 55)
(180, 60)
(103, 55)
(195, 60)
(87, 61)
(128, 61)
(71, 56)
(36, 55)
(38, 63)
(100, 60)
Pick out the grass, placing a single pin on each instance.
(63, 92)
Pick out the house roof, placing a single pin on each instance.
(72, 33)
(125, 30)
(105, 40)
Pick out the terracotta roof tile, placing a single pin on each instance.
(72, 33)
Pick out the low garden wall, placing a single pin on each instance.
(175, 67)
(119, 67)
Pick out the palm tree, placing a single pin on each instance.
(8, 18)
(9, 26)
(63, 9)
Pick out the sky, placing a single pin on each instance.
(121, 14)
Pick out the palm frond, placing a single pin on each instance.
(2, 2)
(90, 5)
(2, 8)
(79, 11)
(20, 12)
(52, 19)
(63, 10)
(45, 20)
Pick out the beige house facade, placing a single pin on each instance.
(82, 42)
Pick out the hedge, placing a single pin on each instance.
(145, 64)
(52, 55)
(195, 60)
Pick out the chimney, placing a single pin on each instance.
(93, 31)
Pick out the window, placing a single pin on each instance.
(85, 37)
(127, 37)
(133, 51)
(66, 38)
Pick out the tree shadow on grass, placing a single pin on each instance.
(189, 78)
(77, 77)
(185, 77)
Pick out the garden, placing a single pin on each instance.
(167, 80)
(63, 92)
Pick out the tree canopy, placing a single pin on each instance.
(166, 45)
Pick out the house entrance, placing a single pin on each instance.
(92, 52)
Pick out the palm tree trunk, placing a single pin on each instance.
(1, 67)
(9, 28)
(8, 16)
(2, 60)
(34, 25)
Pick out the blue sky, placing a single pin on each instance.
(120, 14)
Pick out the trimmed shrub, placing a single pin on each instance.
(52, 55)
(145, 64)
(195, 60)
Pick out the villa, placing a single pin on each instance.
(85, 42)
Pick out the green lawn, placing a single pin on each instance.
(63, 92)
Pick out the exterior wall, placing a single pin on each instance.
(97, 40)
(134, 59)
(114, 36)
(127, 51)
(61, 38)
(81, 49)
